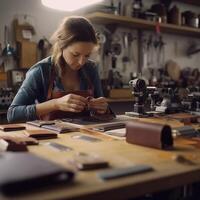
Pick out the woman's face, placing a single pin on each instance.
(76, 54)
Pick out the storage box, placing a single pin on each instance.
(27, 53)
(124, 93)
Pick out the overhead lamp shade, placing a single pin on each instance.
(72, 5)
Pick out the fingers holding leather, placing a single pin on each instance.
(72, 103)
(102, 106)
(78, 98)
(99, 105)
(100, 111)
(75, 107)
(77, 102)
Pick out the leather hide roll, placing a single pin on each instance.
(149, 134)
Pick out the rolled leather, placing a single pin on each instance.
(149, 134)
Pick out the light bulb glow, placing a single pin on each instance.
(68, 5)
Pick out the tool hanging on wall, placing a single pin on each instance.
(101, 58)
(1, 59)
(161, 52)
(115, 50)
(44, 46)
(125, 58)
(8, 49)
(146, 44)
(131, 54)
(194, 48)
(106, 50)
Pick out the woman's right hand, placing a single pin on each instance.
(71, 103)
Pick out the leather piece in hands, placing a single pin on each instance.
(41, 134)
(86, 115)
(108, 116)
(11, 127)
(149, 134)
(100, 117)
(93, 118)
(23, 172)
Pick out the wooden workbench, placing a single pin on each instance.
(167, 173)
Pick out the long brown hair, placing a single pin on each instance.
(72, 29)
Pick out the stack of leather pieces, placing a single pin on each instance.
(58, 127)
(20, 142)
(40, 123)
(41, 134)
(13, 143)
(149, 134)
(110, 126)
(185, 118)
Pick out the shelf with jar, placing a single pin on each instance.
(193, 2)
(136, 23)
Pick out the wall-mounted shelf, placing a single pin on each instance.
(106, 19)
(194, 2)
(119, 100)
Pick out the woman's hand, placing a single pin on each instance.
(100, 105)
(71, 103)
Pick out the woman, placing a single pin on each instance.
(66, 81)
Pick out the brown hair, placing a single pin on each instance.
(72, 29)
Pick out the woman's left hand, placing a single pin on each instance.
(100, 104)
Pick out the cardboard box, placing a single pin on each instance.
(124, 93)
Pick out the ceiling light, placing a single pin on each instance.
(69, 5)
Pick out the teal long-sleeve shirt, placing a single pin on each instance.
(34, 89)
